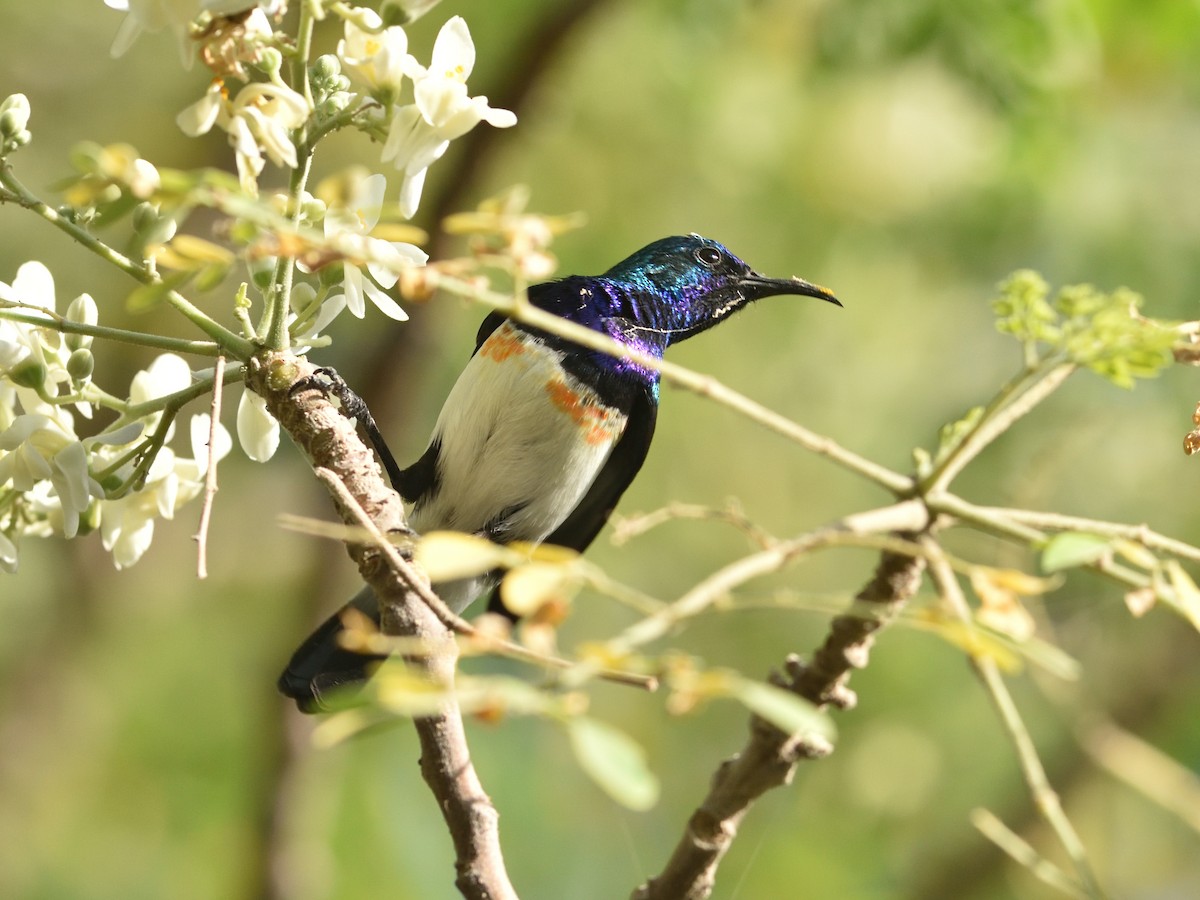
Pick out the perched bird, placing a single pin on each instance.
(539, 437)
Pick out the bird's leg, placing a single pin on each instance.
(328, 381)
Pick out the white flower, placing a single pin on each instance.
(379, 56)
(261, 117)
(257, 429)
(176, 15)
(127, 523)
(39, 449)
(222, 442)
(443, 111)
(23, 344)
(347, 228)
(166, 375)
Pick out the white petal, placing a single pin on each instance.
(410, 193)
(34, 285)
(454, 51)
(166, 375)
(200, 117)
(385, 304)
(352, 284)
(222, 444)
(257, 430)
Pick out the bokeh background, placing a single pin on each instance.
(909, 156)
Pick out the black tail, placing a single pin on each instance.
(321, 664)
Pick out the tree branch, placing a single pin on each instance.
(769, 756)
(331, 443)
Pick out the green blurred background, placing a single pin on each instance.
(908, 155)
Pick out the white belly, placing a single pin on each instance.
(520, 440)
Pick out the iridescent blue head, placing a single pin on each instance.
(680, 286)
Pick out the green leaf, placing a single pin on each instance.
(614, 761)
(786, 711)
(1073, 548)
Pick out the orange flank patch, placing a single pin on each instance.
(593, 420)
(502, 344)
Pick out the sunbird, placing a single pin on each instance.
(539, 437)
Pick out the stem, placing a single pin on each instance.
(234, 344)
(275, 326)
(1015, 399)
(1044, 796)
(994, 521)
(1142, 534)
(908, 516)
(47, 319)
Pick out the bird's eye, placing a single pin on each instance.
(708, 256)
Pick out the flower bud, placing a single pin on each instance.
(89, 520)
(335, 103)
(30, 373)
(401, 12)
(262, 272)
(82, 311)
(331, 275)
(80, 364)
(151, 225)
(270, 60)
(326, 68)
(14, 116)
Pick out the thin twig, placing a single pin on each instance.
(769, 756)
(210, 475)
(1016, 400)
(1044, 796)
(993, 828)
(455, 623)
(909, 515)
(1145, 768)
(1141, 534)
(233, 343)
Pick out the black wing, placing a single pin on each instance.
(586, 520)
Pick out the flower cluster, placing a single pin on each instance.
(269, 120)
(52, 482)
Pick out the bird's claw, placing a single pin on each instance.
(329, 383)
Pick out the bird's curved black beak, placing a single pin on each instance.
(756, 287)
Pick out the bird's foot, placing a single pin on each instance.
(331, 384)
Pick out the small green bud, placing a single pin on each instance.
(30, 373)
(331, 275)
(262, 272)
(270, 61)
(334, 104)
(312, 209)
(81, 364)
(89, 520)
(325, 68)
